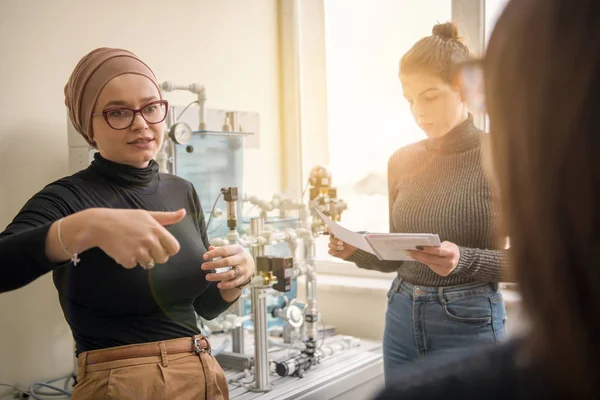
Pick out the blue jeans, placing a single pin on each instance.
(443, 321)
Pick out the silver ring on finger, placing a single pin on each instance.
(150, 264)
(237, 271)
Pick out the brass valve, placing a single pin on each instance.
(268, 278)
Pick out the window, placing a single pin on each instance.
(368, 118)
(493, 9)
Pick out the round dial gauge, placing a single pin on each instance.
(181, 133)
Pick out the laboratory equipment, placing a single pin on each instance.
(269, 336)
(323, 195)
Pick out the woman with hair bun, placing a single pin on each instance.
(447, 298)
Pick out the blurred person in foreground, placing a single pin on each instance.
(541, 79)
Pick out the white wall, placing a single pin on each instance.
(230, 46)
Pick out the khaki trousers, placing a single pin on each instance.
(177, 375)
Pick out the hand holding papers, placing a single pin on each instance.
(385, 246)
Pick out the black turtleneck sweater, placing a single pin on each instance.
(438, 185)
(105, 304)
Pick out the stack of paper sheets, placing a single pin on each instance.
(385, 246)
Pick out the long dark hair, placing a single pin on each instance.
(542, 72)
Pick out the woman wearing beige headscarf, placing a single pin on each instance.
(127, 246)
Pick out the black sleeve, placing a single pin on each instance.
(210, 303)
(23, 242)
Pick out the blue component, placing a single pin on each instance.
(278, 250)
(211, 161)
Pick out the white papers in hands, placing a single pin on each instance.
(393, 246)
(386, 246)
(357, 240)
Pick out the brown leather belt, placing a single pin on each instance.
(198, 344)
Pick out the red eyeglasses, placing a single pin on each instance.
(122, 117)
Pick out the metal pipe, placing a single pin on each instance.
(259, 311)
(311, 316)
(300, 268)
(261, 345)
(251, 242)
(256, 228)
(170, 118)
(233, 122)
(256, 244)
(172, 153)
(202, 112)
(162, 158)
(289, 236)
(237, 335)
(166, 157)
(231, 211)
(198, 90)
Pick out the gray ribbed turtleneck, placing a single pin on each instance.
(438, 185)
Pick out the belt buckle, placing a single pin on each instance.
(197, 347)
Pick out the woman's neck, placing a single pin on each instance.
(125, 174)
(463, 136)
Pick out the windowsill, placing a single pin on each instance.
(343, 276)
(354, 285)
(342, 268)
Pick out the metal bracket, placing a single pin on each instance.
(235, 361)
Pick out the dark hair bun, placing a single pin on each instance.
(446, 31)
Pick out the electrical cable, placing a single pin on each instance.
(185, 109)
(213, 209)
(322, 334)
(56, 393)
(216, 228)
(15, 388)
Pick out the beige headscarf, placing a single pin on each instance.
(90, 75)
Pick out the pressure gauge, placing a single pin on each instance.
(181, 133)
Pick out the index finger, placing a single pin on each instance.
(435, 250)
(168, 242)
(223, 251)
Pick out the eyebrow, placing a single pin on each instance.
(124, 103)
(428, 90)
(424, 91)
